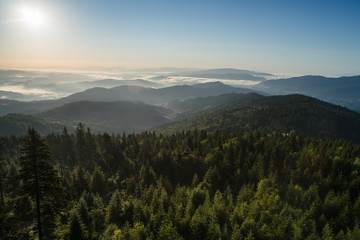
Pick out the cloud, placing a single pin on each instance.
(37, 85)
(31, 93)
(180, 80)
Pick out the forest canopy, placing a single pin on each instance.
(188, 185)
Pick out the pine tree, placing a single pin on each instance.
(40, 181)
(76, 228)
(114, 210)
(327, 232)
(168, 231)
(80, 180)
(91, 147)
(1, 180)
(2, 167)
(83, 211)
(81, 143)
(67, 154)
(97, 182)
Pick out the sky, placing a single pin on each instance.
(275, 36)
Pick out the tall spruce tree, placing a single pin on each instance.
(76, 229)
(1, 181)
(2, 169)
(39, 180)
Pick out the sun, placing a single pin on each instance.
(32, 16)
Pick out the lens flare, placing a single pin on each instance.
(32, 16)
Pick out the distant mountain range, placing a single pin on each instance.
(124, 93)
(227, 73)
(344, 91)
(155, 96)
(201, 103)
(36, 85)
(110, 83)
(210, 106)
(12, 95)
(230, 112)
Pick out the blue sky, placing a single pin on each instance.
(276, 36)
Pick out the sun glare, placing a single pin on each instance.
(32, 16)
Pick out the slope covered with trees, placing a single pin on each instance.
(191, 185)
(18, 124)
(303, 114)
(195, 104)
(120, 116)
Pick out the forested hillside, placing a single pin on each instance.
(188, 185)
(195, 104)
(17, 125)
(117, 117)
(303, 114)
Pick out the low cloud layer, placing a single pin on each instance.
(36, 85)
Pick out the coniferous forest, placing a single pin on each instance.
(179, 120)
(188, 185)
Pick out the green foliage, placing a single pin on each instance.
(39, 180)
(147, 175)
(82, 210)
(79, 180)
(76, 229)
(97, 182)
(327, 233)
(111, 233)
(114, 210)
(168, 231)
(18, 124)
(303, 114)
(189, 185)
(138, 232)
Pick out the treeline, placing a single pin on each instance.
(188, 185)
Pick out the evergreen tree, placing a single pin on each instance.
(91, 146)
(168, 231)
(97, 182)
(76, 229)
(67, 154)
(40, 181)
(80, 180)
(1, 179)
(83, 211)
(146, 175)
(138, 232)
(327, 232)
(9, 225)
(114, 210)
(81, 143)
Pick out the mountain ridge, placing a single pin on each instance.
(344, 91)
(303, 114)
(230, 112)
(122, 93)
(119, 116)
